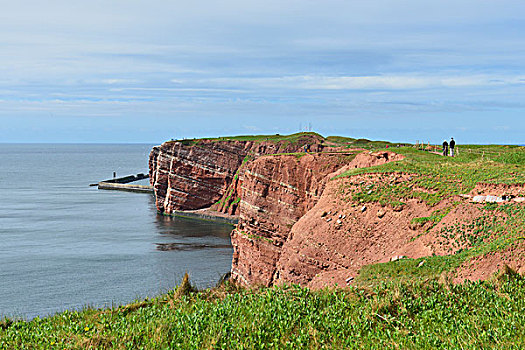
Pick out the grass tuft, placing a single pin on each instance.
(96, 342)
(5, 323)
(185, 288)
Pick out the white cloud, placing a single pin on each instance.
(114, 81)
(176, 89)
(376, 82)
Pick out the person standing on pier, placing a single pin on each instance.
(452, 145)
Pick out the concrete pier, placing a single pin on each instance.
(125, 179)
(122, 184)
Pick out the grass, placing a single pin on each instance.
(360, 143)
(435, 218)
(414, 315)
(435, 178)
(299, 138)
(292, 138)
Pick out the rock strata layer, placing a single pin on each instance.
(278, 191)
(195, 174)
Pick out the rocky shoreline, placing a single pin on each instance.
(207, 214)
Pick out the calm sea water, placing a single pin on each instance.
(65, 245)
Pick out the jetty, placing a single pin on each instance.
(123, 183)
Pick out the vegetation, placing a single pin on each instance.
(292, 138)
(360, 143)
(298, 138)
(415, 315)
(272, 138)
(435, 218)
(434, 177)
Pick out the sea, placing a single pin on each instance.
(65, 245)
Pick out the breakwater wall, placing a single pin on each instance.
(122, 184)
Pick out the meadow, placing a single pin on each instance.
(422, 314)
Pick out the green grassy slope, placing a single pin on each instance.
(416, 315)
(447, 176)
(435, 178)
(330, 141)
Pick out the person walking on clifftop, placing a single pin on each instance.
(452, 145)
(445, 148)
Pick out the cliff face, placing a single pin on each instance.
(300, 223)
(270, 193)
(196, 174)
(277, 191)
(273, 193)
(193, 176)
(331, 242)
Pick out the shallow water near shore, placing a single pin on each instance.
(65, 245)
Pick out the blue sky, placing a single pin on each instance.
(148, 71)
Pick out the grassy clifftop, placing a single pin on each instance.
(459, 174)
(300, 137)
(292, 138)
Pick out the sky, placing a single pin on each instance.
(133, 71)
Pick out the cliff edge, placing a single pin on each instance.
(338, 214)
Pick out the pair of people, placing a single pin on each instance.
(446, 145)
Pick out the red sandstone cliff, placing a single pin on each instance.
(271, 194)
(278, 191)
(329, 244)
(194, 174)
(296, 225)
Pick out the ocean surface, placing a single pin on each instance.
(65, 245)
